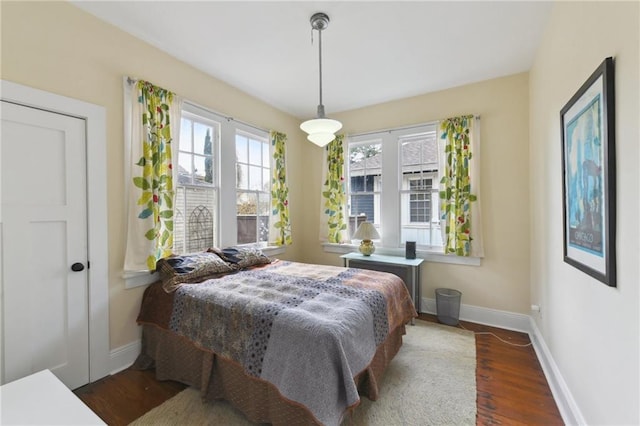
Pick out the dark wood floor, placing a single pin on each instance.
(512, 389)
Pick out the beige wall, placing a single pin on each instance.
(57, 47)
(591, 330)
(77, 55)
(502, 281)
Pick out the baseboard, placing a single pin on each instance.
(569, 410)
(486, 316)
(124, 356)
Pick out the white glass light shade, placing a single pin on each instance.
(366, 231)
(321, 130)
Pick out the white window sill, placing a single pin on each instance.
(138, 279)
(273, 250)
(429, 256)
(267, 250)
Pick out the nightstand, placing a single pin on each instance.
(407, 269)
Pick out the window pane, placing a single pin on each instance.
(194, 223)
(200, 170)
(365, 159)
(246, 203)
(185, 134)
(264, 229)
(368, 183)
(184, 169)
(255, 152)
(241, 149)
(253, 210)
(266, 180)
(247, 220)
(264, 201)
(255, 178)
(243, 176)
(264, 204)
(201, 133)
(411, 154)
(357, 183)
(363, 205)
(418, 155)
(421, 217)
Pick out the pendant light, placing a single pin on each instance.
(321, 130)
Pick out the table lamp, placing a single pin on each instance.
(366, 232)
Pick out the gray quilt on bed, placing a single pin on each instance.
(302, 330)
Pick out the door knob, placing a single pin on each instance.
(77, 267)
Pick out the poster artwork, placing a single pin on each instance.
(585, 180)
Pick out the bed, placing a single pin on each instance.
(283, 342)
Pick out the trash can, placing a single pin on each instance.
(448, 305)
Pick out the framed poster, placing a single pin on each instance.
(589, 176)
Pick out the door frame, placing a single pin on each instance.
(98, 251)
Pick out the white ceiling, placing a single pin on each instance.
(372, 52)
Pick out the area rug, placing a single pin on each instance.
(431, 381)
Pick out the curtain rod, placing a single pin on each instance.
(226, 117)
(396, 129)
(132, 81)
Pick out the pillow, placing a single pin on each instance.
(191, 268)
(242, 257)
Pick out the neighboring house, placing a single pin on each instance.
(420, 179)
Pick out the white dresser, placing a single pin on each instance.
(42, 399)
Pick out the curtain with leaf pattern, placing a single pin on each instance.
(152, 118)
(460, 186)
(280, 225)
(333, 226)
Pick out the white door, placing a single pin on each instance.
(43, 219)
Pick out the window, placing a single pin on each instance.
(223, 193)
(196, 190)
(221, 170)
(393, 183)
(253, 194)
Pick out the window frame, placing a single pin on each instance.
(225, 154)
(259, 193)
(390, 218)
(216, 124)
(391, 194)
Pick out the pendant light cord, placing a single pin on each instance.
(320, 67)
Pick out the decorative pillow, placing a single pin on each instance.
(242, 257)
(191, 268)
